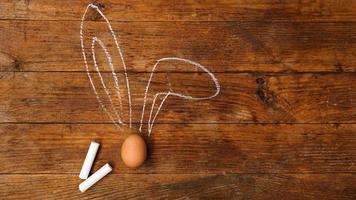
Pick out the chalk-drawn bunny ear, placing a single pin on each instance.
(103, 89)
(160, 97)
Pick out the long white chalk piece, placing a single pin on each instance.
(89, 159)
(103, 171)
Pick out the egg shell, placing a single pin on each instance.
(134, 151)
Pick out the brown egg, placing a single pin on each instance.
(134, 151)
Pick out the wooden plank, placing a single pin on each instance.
(273, 98)
(220, 46)
(326, 10)
(241, 186)
(183, 148)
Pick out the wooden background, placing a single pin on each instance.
(283, 126)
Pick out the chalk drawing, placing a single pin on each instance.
(153, 114)
(110, 64)
(171, 93)
(95, 39)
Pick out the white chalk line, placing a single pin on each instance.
(88, 73)
(122, 60)
(101, 78)
(121, 57)
(112, 67)
(151, 123)
(109, 59)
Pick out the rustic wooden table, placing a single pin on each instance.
(282, 126)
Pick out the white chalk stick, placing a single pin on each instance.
(89, 159)
(103, 171)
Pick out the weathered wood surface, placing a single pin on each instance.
(211, 10)
(283, 126)
(296, 98)
(185, 186)
(184, 148)
(220, 46)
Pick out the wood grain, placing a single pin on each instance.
(220, 46)
(183, 148)
(283, 126)
(244, 98)
(161, 10)
(149, 186)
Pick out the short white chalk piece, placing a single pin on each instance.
(103, 171)
(89, 159)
